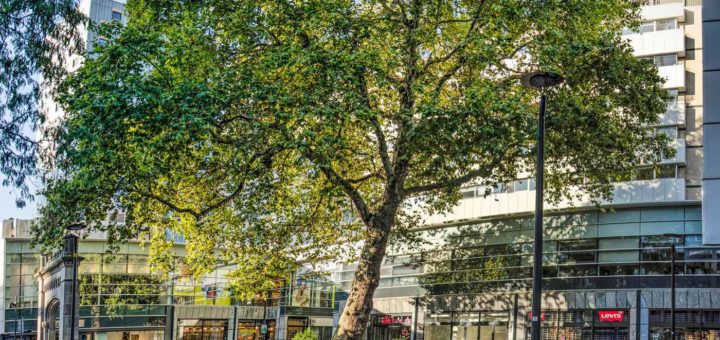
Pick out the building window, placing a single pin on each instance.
(468, 193)
(663, 60)
(666, 60)
(666, 24)
(666, 171)
(646, 27)
(577, 251)
(524, 184)
(653, 26)
(670, 131)
(117, 16)
(650, 173)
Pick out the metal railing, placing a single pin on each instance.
(665, 2)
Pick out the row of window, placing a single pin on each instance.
(552, 246)
(525, 184)
(653, 26)
(662, 59)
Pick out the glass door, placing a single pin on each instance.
(295, 325)
(466, 326)
(494, 325)
(438, 326)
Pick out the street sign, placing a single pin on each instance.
(263, 329)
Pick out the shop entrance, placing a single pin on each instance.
(583, 324)
(390, 327)
(200, 329)
(689, 324)
(482, 325)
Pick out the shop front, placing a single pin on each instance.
(201, 329)
(583, 324)
(689, 324)
(482, 325)
(249, 330)
(390, 327)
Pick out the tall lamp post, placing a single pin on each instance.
(539, 81)
(673, 251)
(72, 229)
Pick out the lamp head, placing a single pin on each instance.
(541, 80)
(75, 227)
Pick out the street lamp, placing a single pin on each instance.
(674, 238)
(73, 238)
(539, 81)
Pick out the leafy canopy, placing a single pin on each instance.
(34, 36)
(271, 133)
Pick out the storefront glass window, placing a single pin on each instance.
(438, 326)
(466, 326)
(194, 329)
(295, 325)
(493, 325)
(249, 330)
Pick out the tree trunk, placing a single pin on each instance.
(354, 318)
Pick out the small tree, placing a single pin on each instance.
(274, 133)
(307, 334)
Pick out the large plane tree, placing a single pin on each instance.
(271, 133)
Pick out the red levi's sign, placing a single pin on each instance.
(542, 316)
(611, 315)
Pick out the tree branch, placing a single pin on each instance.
(446, 184)
(266, 159)
(345, 184)
(167, 203)
(382, 147)
(364, 178)
(460, 46)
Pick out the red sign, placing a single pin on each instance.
(542, 316)
(389, 320)
(611, 315)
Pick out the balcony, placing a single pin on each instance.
(674, 115)
(666, 9)
(658, 42)
(633, 192)
(674, 76)
(655, 190)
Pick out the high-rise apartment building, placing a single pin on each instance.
(98, 11)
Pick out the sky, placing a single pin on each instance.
(8, 209)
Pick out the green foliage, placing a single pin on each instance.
(271, 134)
(307, 334)
(33, 36)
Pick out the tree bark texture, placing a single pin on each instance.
(355, 316)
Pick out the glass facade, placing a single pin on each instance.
(610, 254)
(21, 289)
(202, 329)
(118, 290)
(467, 325)
(497, 255)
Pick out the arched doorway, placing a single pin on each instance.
(52, 320)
